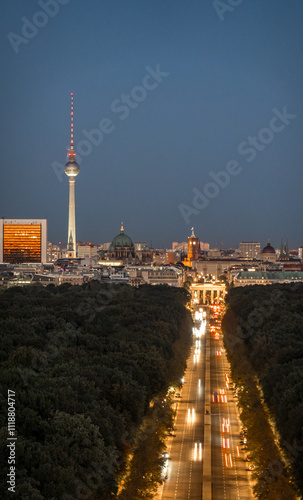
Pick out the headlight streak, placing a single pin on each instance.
(191, 417)
(197, 454)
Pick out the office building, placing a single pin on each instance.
(249, 249)
(23, 240)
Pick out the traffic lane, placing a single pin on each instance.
(234, 475)
(179, 463)
(182, 450)
(184, 472)
(189, 474)
(236, 481)
(238, 454)
(218, 468)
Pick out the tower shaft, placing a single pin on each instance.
(71, 236)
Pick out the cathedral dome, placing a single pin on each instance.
(121, 240)
(268, 249)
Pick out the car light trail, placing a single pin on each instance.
(228, 460)
(225, 443)
(227, 423)
(198, 452)
(191, 416)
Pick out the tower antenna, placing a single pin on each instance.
(72, 122)
(71, 152)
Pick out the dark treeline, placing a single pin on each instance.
(85, 363)
(263, 332)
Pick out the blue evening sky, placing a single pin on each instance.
(221, 73)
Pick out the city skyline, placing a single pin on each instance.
(185, 117)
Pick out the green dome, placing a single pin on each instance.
(121, 240)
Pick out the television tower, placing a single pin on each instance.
(71, 169)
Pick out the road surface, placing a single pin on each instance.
(206, 461)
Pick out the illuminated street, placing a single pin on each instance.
(195, 471)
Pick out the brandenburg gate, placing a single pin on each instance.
(208, 293)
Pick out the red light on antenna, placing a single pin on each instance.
(72, 122)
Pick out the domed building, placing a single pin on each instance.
(122, 247)
(268, 254)
(123, 251)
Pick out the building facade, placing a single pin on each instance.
(249, 249)
(163, 275)
(245, 278)
(23, 240)
(87, 252)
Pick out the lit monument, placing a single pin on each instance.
(71, 169)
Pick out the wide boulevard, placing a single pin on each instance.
(206, 460)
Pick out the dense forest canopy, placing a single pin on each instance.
(84, 362)
(268, 321)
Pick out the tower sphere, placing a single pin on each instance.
(71, 168)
